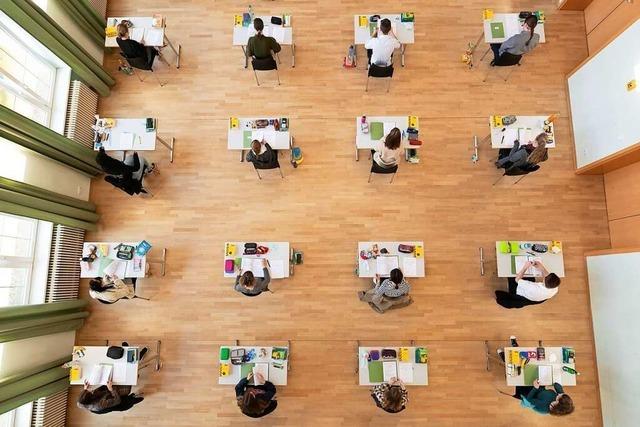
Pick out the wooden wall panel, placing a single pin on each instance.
(574, 4)
(622, 188)
(607, 23)
(625, 232)
(598, 11)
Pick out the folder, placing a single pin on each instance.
(497, 30)
(376, 130)
(376, 374)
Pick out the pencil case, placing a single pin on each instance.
(228, 266)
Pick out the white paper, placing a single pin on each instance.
(126, 140)
(266, 135)
(545, 374)
(278, 33)
(409, 266)
(116, 269)
(387, 126)
(405, 372)
(521, 260)
(137, 34)
(253, 265)
(262, 368)
(277, 268)
(557, 374)
(524, 136)
(510, 135)
(153, 36)
(384, 265)
(138, 142)
(389, 370)
(119, 373)
(100, 374)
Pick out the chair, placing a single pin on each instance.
(264, 64)
(273, 165)
(518, 171)
(505, 60)
(379, 72)
(376, 168)
(144, 63)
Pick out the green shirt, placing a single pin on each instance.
(261, 46)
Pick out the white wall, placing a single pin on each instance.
(614, 286)
(605, 115)
(17, 356)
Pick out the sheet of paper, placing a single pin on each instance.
(384, 265)
(521, 260)
(126, 140)
(409, 266)
(119, 372)
(253, 265)
(512, 27)
(138, 142)
(266, 135)
(277, 268)
(387, 126)
(545, 374)
(117, 268)
(262, 368)
(137, 33)
(154, 36)
(405, 372)
(525, 135)
(389, 370)
(100, 374)
(509, 136)
(557, 374)
(278, 33)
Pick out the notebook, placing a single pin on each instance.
(126, 140)
(409, 266)
(119, 373)
(545, 374)
(376, 131)
(116, 269)
(100, 374)
(405, 372)
(262, 368)
(389, 370)
(384, 265)
(253, 265)
(154, 37)
(246, 139)
(497, 30)
(277, 268)
(530, 374)
(375, 372)
(525, 135)
(509, 136)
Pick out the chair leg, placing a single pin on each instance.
(519, 179)
(369, 180)
(281, 175)
(278, 56)
(366, 88)
(146, 299)
(392, 176)
(509, 73)
(388, 84)
(158, 79)
(138, 75)
(498, 180)
(259, 177)
(278, 76)
(256, 75)
(485, 54)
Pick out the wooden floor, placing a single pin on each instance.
(326, 206)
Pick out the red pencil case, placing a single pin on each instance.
(228, 266)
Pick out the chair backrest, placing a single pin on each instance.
(140, 62)
(507, 60)
(376, 168)
(521, 170)
(274, 164)
(529, 167)
(105, 302)
(380, 72)
(264, 64)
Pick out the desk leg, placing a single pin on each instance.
(168, 145)
(402, 50)
(289, 356)
(162, 262)
(358, 359)
(177, 52)
(357, 156)
(246, 59)
(481, 261)
(241, 156)
(293, 55)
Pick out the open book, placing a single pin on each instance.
(384, 265)
(389, 370)
(100, 374)
(253, 265)
(260, 368)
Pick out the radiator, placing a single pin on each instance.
(50, 411)
(81, 110)
(63, 279)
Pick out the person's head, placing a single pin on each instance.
(551, 281)
(97, 285)
(256, 146)
(393, 140)
(396, 276)
(258, 25)
(393, 398)
(529, 25)
(247, 279)
(86, 399)
(251, 403)
(123, 31)
(385, 26)
(539, 153)
(563, 405)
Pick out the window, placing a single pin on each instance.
(17, 248)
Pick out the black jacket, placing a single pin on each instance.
(269, 393)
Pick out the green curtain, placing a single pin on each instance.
(37, 23)
(18, 198)
(26, 321)
(23, 131)
(87, 18)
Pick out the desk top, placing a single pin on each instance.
(142, 139)
(527, 126)
(282, 34)
(553, 357)
(142, 28)
(512, 26)
(553, 262)
(407, 262)
(405, 31)
(420, 370)
(277, 368)
(278, 256)
(240, 138)
(96, 355)
(133, 268)
(364, 141)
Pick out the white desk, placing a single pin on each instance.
(96, 355)
(553, 357)
(279, 253)
(240, 138)
(504, 136)
(512, 25)
(420, 370)
(143, 32)
(404, 31)
(134, 267)
(282, 34)
(277, 368)
(142, 139)
(364, 141)
(367, 268)
(554, 263)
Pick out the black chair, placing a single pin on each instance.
(376, 168)
(273, 165)
(144, 63)
(518, 171)
(264, 64)
(505, 60)
(379, 72)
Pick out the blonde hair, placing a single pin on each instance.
(539, 154)
(123, 30)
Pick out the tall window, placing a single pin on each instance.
(27, 79)
(17, 247)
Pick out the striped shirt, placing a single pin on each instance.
(379, 393)
(389, 289)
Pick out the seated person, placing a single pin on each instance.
(527, 291)
(111, 289)
(249, 285)
(112, 166)
(380, 47)
(259, 46)
(132, 171)
(519, 44)
(387, 293)
(388, 152)
(391, 396)
(132, 49)
(256, 401)
(521, 155)
(541, 399)
(261, 154)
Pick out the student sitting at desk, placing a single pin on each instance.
(256, 401)
(262, 154)
(388, 153)
(249, 285)
(108, 398)
(388, 293)
(380, 47)
(391, 396)
(132, 49)
(111, 289)
(519, 44)
(259, 46)
(127, 175)
(521, 155)
(525, 291)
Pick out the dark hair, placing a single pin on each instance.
(251, 403)
(393, 398)
(393, 140)
(255, 144)
(396, 276)
(247, 279)
(97, 285)
(86, 398)
(258, 24)
(385, 26)
(531, 21)
(552, 281)
(564, 406)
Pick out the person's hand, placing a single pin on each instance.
(260, 378)
(537, 264)
(265, 263)
(250, 375)
(527, 265)
(375, 33)
(377, 278)
(536, 383)
(110, 384)
(86, 384)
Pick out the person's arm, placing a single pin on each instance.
(382, 287)
(249, 49)
(110, 400)
(558, 388)
(524, 268)
(266, 279)
(275, 46)
(508, 44)
(269, 390)
(533, 394)
(532, 44)
(238, 287)
(241, 386)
